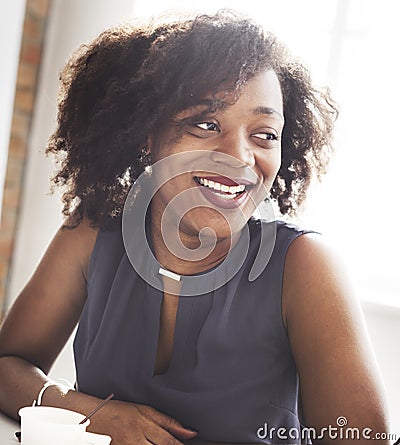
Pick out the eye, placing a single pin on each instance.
(208, 126)
(265, 139)
(266, 136)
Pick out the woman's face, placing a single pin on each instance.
(217, 166)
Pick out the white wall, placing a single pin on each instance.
(11, 23)
(383, 323)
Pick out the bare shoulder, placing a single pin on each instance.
(63, 266)
(310, 253)
(84, 229)
(76, 241)
(318, 294)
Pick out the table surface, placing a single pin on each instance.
(8, 427)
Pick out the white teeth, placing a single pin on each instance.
(224, 188)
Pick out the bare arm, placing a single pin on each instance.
(338, 374)
(37, 327)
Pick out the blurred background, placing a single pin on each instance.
(353, 46)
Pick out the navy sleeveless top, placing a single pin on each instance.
(231, 376)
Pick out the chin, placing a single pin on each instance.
(224, 226)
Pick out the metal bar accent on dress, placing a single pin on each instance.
(168, 273)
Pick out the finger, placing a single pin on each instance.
(167, 422)
(177, 429)
(160, 436)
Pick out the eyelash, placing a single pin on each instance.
(268, 136)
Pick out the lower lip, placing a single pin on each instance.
(219, 200)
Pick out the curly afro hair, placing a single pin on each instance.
(127, 83)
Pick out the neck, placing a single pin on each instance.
(183, 253)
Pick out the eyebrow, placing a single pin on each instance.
(268, 111)
(210, 104)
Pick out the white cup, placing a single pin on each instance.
(46, 425)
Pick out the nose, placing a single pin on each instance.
(237, 146)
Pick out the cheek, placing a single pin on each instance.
(270, 165)
(163, 146)
(172, 150)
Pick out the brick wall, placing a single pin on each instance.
(36, 14)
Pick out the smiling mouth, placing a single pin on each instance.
(222, 186)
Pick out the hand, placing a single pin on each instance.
(130, 423)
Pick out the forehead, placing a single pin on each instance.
(261, 94)
(262, 91)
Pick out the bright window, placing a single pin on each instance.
(353, 46)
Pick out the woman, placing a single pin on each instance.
(205, 118)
